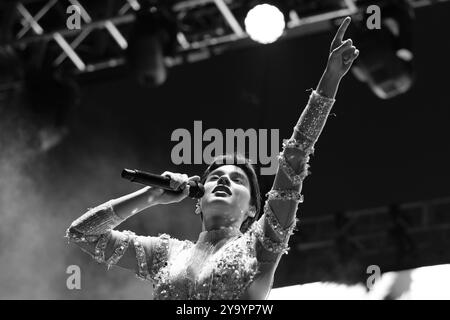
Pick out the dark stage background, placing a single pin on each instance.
(372, 152)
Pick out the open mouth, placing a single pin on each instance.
(222, 188)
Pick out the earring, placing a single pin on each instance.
(197, 207)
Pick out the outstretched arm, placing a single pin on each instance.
(310, 124)
(280, 209)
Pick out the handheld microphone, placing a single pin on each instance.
(196, 190)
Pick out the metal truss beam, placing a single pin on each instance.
(188, 51)
(339, 247)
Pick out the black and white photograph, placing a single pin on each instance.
(224, 150)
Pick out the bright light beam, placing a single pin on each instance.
(264, 23)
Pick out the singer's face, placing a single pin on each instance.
(227, 196)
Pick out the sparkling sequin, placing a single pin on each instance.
(313, 118)
(269, 244)
(283, 234)
(141, 257)
(275, 225)
(95, 222)
(120, 250)
(231, 273)
(295, 178)
(308, 128)
(301, 144)
(284, 195)
(160, 256)
(99, 252)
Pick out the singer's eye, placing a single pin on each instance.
(237, 180)
(213, 177)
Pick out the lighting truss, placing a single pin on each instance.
(371, 224)
(206, 27)
(344, 244)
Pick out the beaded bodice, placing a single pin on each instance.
(205, 270)
(222, 264)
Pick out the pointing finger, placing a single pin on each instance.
(342, 28)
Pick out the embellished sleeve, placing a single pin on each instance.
(145, 255)
(93, 233)
(94, 224)
(279, 220)
(272, 236)
(294, 158)
(313, 119)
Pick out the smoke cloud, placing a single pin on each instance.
(42, 193)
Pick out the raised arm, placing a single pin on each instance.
(279, 217)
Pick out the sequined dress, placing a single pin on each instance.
(221, 264)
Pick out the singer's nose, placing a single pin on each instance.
(224, 180)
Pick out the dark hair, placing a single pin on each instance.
(243, 163)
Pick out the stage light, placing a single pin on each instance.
(264, 23)
(153, 37)
(385, 62)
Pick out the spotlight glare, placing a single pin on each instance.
(264, 23)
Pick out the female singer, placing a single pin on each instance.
(237, 253)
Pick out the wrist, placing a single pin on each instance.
(331, 75)
(328, 84)
(152, 196)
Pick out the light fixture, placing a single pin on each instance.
(152, 39)
(264, 23)
(385, 62)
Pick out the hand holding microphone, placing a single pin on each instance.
(169, 187)
(178, 182)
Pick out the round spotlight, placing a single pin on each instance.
(264, 23)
